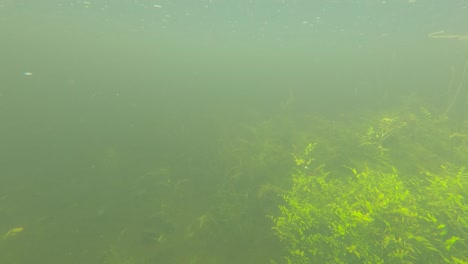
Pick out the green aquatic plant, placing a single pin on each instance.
(376, 136)
(370, 216)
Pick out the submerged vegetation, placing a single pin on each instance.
(293, 186)
(298, 188)
(401, 201)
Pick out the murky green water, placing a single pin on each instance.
(167, 131)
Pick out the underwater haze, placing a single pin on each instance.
(192, 131)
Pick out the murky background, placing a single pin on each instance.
(160, 131)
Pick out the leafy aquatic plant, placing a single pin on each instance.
(371, 216)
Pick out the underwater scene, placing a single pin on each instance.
(225, 132)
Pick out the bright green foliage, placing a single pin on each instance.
(371, 216)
